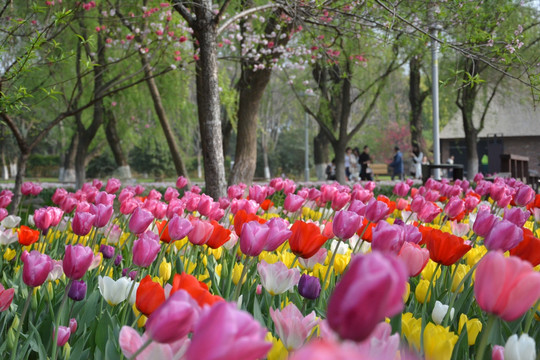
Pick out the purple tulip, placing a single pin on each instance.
(77, 291)
(140, 220)
(293, 203)
(102, 213)
(345, 224)
(504, 235)
(484, 222)
(118, 260)
(376, 210)
(36, 267)
(524, 195)
(516, 215)
(309, 287)
(278, 234)
(107, 251)
(145, 249)
(387, 238)
(253, 238)
(179, 227)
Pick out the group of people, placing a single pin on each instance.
(357, 164)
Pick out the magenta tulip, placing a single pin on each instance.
(293, 203)
(401, 189)
(181, 182)
(102, 213)
(454, 207)
(171, 193)
(63, 335)
(387, 238)
(417, 203)
(6, 297)
(414, 257)
(36, 267)
(3, 214)
(173, 319)
(504, 236)
(179, 227)
(412, 234)
(201, 232)
(514, 289)
(484, 222)
(104, 198)
(145, 249)
(253, 238)
(77, 260)
(226, 333)
(69, 204)
(516, 216)
(524, 195)
(278, 234)
(376, 210)
(352, 312)
(345, 224)
(59, 196)
(82, 223)
(140, 220)
(471, 202)
(258, 193)
(43, 219)
(429, 212)
(129, 205)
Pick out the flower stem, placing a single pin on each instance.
(57, 322)
(485, 337)
(141, 349)
(19, 328)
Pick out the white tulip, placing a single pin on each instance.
(10, 221)
(523, 348)
(8, 236)
(114, 292)
(439, 312)
(341, 249)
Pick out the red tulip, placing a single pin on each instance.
(150, 295)
(6, 297)
(306, 239)
(27, 236)
(528, 249)
(444, 248)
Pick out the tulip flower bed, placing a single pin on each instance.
(445, 271)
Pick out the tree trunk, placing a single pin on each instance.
(163, 119)
(472, 154)
(339, 150)
(416, 99)
(226, 131)
(123, 170)
(69, 161)
(251, 88)
(267, 174)
(19, 178)
(321, 154)
(208, 103)
(466, 99)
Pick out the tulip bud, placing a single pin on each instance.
(439, 312)
(165, 270)
(11, 338)
(520, 348)
(309, 287)
(77, 291)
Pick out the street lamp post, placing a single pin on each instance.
(435, 95)
(306, 157)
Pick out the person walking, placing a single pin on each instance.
(397, 164)
(416, 165)
(348, 154)
(364, 160)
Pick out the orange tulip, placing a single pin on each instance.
(367, 235)
(164, 233)
(306, 239)
(27, 236)
(150, 295)
(219, 236)
(243, 217)
(195, 288)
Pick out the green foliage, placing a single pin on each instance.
(152, 157)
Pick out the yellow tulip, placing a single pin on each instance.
(439, 342)
(428, 271)
(181, 243)
(217, 269)
(189, 266)
(9, 254)
(411, 329)
(141, 321)
(340, 262)
(421, 291)
(407, 293)
(475, 254)
(269, 257)
(278, 350)
(203, 277)
(165, 269)
(459, 274)
(237, 272)
(474, 326)
(287, 258)
(158, 280)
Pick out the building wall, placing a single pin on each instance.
(525, 146)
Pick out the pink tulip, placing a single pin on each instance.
(171, 193)
(173, 319)
(387, 238)
(225, 333)
(82, 223)
(497, 353)
(176, 207)
(327, 192)
(253, 238)
(140, 220)
(432, 195)
(401, 204)
(125, 194)
(179, 227)
(102, 214)
(104, 198)
(484, 222)
(6, 297)
(63, 335)
(257, 193)
(77, 260)
(313, 194)
(181, 182)
(277, 278)
(98, 184)
(292, 327)
(26, 188)
(516, 216)
(73, 325)
(345, 224)
(352, 313)
(454, 207)
(483, 187)
(113, 185)
(478, 177)
(3, 214)
(412, 234)
(505, 200)
(433, 184)
(417, 203)
(201, 232)
(429, 212)
(59, 196)
(293, 203)
(43, 219)
(471, 202)
(206, 205)
(524, 195)
(69, 204)
(376, 210)
(145, 249)
(192, 201)
(131, 341)
(504, 235)
(249, 206)
(129, 205)
(83, 207)
(459, 229)
(289, 186)
(358, 207)
(160, 210)
(224, 203)
(90, 192)
(278, 233)
(154, 195)
(340, 200)
(414, 257)
(235, 192)
(514, 289)
(401, 189)
(139, 189)
(497, 191)
(36, 267)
